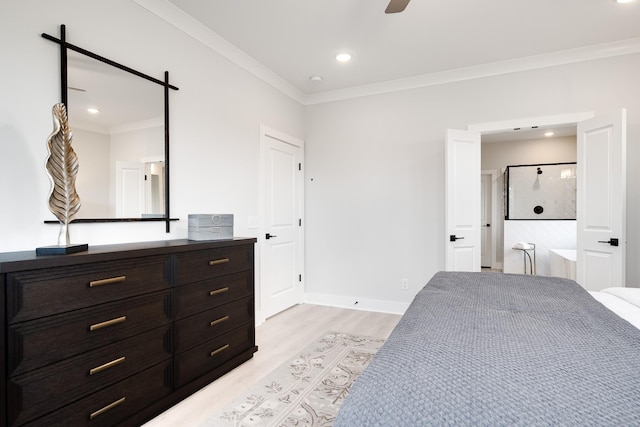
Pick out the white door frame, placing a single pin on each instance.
(260, 303)
(494, 214)
(148, 191)
(527, 123)
(124, 187)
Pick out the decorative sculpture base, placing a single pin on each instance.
(62, 249)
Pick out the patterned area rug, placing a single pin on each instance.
(308, 390)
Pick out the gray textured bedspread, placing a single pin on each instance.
(485, 349)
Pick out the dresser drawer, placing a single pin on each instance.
(208, 294)
(43, 390)
(207, 356)
(198, 265)
(115, 403)
(41, 342)
(205, 326)
(116, 334)
(38, 293)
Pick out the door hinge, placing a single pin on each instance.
(299, 166)
(299, 277)
(299, 222)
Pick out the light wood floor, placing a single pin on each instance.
(278, 339)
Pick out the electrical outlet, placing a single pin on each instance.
(405, 285)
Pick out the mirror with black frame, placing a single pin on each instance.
(119, 119)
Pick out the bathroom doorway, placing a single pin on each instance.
(521, 149)
(602, 170)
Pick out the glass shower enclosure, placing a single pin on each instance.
(542, 191)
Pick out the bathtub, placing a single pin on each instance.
(562, 263)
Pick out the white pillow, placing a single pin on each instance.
(622, 308)
(631, 295)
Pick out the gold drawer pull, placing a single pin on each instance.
(219, 291)
(106, 408)
(108, 281)
(219, 261)
(106, 365)
(101, 325)
(220, 350)
(220, 320)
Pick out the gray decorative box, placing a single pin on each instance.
(210, 226)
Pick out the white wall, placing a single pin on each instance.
(375, 209)
(94, 173)
(215, 118)
(374, 165)
(498, 155)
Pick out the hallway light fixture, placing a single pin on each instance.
(343, 57)
(624, 1)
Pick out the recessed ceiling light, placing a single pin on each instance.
(623, 1)
(549, 133)
(343, 57)
(93, 110)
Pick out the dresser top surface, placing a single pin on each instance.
(27, 260)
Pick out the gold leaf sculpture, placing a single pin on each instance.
(62, 167)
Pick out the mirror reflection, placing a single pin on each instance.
(117, 120)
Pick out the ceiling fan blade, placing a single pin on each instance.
(396, 6)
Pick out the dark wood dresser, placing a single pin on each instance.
(119, 333)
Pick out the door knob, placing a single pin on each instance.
(453, 238)
(268, 236)
(612, 242)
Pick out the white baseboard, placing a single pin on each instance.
(392, 307)
(259, 318)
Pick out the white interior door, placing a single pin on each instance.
(462, 190)
(601, 196)
(129, 189)
(282, 241)
(486, 242)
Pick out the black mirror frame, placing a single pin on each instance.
(64, 45)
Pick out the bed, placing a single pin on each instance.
(486, 349)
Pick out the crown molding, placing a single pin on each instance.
(190, 26)
(588, 53)
(198, 31)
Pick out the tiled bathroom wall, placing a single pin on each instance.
(560, 234)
